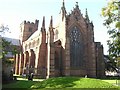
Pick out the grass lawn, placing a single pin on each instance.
(111, 81)
(62, 82)
(20, 84)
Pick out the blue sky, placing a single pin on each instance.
(14, 12)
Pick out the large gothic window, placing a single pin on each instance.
(76, 48)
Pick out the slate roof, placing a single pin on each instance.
(34, 35)
(13, 41)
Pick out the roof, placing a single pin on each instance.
(34, 35)
(13, 41)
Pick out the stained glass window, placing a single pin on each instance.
(76, 48)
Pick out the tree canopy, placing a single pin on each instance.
(111, 14)
(6, 46)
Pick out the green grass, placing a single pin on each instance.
(111, 81)
(73, 82)
(20, 84)
(62, 82)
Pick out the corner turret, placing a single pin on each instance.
(86, 16)
(51, 23)
(43, 31)
(51, 32)
(63, 10)
(43, 24)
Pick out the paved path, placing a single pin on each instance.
(27, 79)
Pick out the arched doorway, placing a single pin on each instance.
(31, 61)
(26, 62)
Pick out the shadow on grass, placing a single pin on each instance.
(19, 84)
(72, 82)
(60, 82)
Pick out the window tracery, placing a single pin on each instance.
(76, 48)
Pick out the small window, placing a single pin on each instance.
(29, 45)
(30, 29)
(25, 46)
(38, 42)
(34, 43)
(56, 34)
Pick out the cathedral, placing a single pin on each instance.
(67, 49)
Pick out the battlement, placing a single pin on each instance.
(28, 28)
(28, 22)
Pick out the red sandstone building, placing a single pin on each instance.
(67, 49)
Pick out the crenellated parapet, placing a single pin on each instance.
(28, 22)
(27, 29)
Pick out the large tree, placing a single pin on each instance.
(111, 13)
(3, 29)
(5, 47)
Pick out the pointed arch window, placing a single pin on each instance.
(56, 34)
(76, 48)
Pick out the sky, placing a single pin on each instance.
(14, 12)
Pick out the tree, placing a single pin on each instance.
(3, 28)
(110, 65)
(6, 47)
(111, 13)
